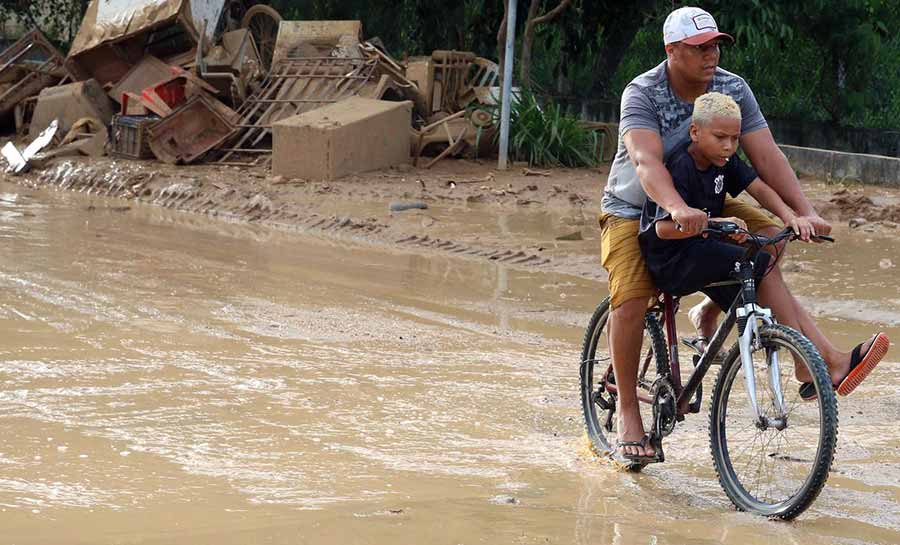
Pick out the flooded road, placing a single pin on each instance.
(169, 379)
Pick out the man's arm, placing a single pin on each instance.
(774, 168)
(645, 148)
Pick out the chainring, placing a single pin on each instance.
(664, 410)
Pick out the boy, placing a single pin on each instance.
(702, 171)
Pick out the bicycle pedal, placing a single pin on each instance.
(692, 345)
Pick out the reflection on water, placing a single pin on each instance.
(166, 379)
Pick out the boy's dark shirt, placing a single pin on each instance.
(699, 190)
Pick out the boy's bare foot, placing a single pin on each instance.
(704, 317)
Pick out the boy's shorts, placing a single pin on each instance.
(703, 261)
(620, 253)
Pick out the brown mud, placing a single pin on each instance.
(464, 208)
(170, 378)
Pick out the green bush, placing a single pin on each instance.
(542, 135)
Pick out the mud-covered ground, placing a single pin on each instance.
(461, 207)
(321, 369)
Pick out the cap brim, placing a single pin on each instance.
(701, 39)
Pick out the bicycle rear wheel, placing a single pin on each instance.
(597, 401)
(765, 470)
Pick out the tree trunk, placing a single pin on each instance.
(531, 25)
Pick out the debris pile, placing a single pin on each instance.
(184, 81)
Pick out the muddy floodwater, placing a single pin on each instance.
(170, 379)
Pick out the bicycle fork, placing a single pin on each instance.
(749, 317)
(752, 316)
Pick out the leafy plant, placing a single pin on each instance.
(543, 135)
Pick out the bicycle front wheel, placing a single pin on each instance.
(773, 470)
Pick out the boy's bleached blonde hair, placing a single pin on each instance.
(712, 105)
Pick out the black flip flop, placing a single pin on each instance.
(639, 458)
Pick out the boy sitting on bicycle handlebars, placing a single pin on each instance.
(703, 170)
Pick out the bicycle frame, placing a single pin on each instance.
(743, 312)
(744, 308)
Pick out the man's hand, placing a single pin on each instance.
(691, 220)
(821, 226)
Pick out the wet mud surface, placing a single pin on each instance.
(171, 378)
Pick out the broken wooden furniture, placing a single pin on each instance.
(27, 67)
(450, 74)
(480, 79)
(293, 86)
(70, 103)
(263, 23)
(192, 130)
(116, 34)
(232, 67)
(471, 130)
(298, 39)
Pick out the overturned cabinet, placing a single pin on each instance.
(354, 135)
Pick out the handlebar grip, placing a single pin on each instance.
(722, 227)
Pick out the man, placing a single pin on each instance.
(656, 114)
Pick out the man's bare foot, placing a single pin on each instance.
(631, 429)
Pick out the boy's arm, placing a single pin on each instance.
(771, 201)
(667, 230)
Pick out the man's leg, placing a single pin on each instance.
(630, 288)
(626, 332)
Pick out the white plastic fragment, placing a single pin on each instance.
(18, 162)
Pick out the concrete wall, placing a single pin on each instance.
(838, 165)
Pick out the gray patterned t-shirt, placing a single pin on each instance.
(650, 103)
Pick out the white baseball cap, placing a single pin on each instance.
(692, 26)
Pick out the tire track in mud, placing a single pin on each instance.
(210, 198)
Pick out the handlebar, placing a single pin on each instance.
(726, 228)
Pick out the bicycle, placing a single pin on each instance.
(772, 450)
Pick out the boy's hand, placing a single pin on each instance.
(803, 227)
(740, 238)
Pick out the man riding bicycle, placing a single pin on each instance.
(656, 112)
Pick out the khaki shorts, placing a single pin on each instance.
(620, 253)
